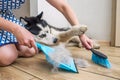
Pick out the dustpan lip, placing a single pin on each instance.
(75, 67)
(63, 66)
(71, 70)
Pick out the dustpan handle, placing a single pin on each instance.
(46, 49)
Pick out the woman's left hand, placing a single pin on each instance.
(87, 43)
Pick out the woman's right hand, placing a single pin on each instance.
(24, 37)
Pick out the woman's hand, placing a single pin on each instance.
(87, 43)
(24, 37)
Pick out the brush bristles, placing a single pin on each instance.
(101, 61)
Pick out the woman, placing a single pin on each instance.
(14, 40)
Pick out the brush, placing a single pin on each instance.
(48, 51)
(100, 58)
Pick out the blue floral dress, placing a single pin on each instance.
(6, 7)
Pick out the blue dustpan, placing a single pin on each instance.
(48, 50)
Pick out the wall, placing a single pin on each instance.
(33, 7)
(94, 13)
(52, 15)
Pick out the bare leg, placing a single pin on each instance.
(8, 54)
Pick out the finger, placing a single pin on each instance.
(91, 44)
(34, 46)
(87, 46)
(27, 43)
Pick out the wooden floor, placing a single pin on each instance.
(37, 68)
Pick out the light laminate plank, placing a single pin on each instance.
(10, 73)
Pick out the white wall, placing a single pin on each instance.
(52, 15)
(33, 7)
(94, 13)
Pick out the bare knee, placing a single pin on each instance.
(8, 54)
(7, 59)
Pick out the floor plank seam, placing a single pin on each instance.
(31, 78)
(25, 72)
(100, 74)
(34, 78)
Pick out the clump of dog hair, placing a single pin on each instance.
(81, 63)
(60, 55)
(54, 69)
(63, 55)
